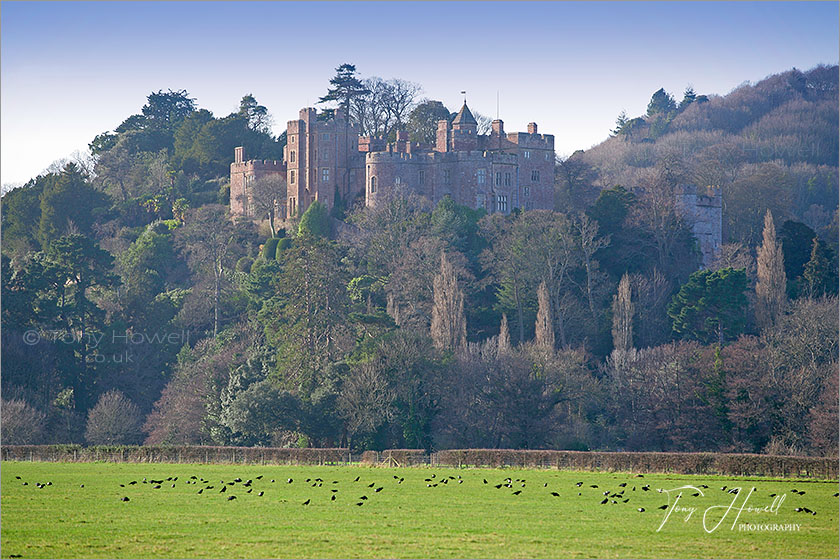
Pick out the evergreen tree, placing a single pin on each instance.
(711, 305)
(661, 102)
(820, 275)
(345, 87)
(771, 285)
(315, 222)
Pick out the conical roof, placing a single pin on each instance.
(464, 116)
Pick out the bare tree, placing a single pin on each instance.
(449, 325)
(590, 243)
(115, 420)
(20, 423)
(622, 330)
(544, 332)
(504, 336)
(401, 97)
(267, 194)
(771, 284)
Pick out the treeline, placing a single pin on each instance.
(139, 312)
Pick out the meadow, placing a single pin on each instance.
(131, 510)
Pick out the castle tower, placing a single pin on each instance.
(703, 210)
(464, 130)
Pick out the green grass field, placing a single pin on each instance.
(463, 517)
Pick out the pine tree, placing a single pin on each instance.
(345, 86)
(819, 277)
(771, 285)
(545, 326)
(449, 325)
(504, 336)
(623, 309)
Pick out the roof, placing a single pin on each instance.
(464, 116)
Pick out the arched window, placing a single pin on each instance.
(373, 184)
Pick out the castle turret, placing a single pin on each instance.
(464, 130)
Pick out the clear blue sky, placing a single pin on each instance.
(71, 70)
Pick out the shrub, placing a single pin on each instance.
(20, 424)
(282, 245)
(115, 420)
(315, 221)
(270, 248)
(244, 264)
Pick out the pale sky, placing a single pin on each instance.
(71, 70)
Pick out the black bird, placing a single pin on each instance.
(306, 503)
(722, 489)
(19, 478)
(289, 480)
(173, 486)
(622, 485)
(27, 484)
(201, 490)
(332, 499)
(133, 482)
(334, 490)
(517, 492)
(555, 494)
(360, 503)
(125, 499)
(696, 494)
(363, 498)
(545, 485)
(704, 486)
(156, 486)
(593, 486)
(625, 501)
(231, 498)
(797, 509)
(498, 486)
(249, 490)
(395, 477)
(401, 480)
(806, 510)
(272, 480)
(646, 488)
(259, 477)
(210, 488)
(662, 507)
(122, 485)
(836, 494)
(641, 509)
(427, 480)
(604, 501)
(308, 480)
(434, 475)
(579, 484)
(485, 481)
(80, 485)
(379, 489)
(371, 485)
(224, 489)
(237, 479)
(772, 495)
(357, 479)
(261, 493)
(802, 492)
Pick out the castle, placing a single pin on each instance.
(327, 160)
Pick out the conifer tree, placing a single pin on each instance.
(545, 326)
(449, 325)
(771, 285)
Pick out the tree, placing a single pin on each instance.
(262, 410)
(820, 275)
(256, 114)
(345, 87)
(711, 306)
(168, 109)
(622, 329)
(661, 102)
(770, 287)
(115, 420)
(21, 424)
(797, 240)
(423, 121)
(619, 123)
(315, 222)
(544, 331)
(449, 326)
(206, 239)
(504, 336)
(689, 97)
(266, 194)
(68, 203)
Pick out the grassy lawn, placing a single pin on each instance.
(463, 517)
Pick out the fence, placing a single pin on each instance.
(679, 463)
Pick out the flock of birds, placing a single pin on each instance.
(622, 494)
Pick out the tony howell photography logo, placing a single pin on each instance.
(95, 340)
(714, 516)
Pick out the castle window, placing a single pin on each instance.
(501, 203)
(527, 191)
(325, 137)
(447, 176)
(507, 179)
(373, 184)
(397, 180)
(479, 201)
(482, 175)
(292, 208)
(292, 176)
(292, 139)
(292, 156)
(325, 155)
(526, 154)
(547, 156)
(498, 178)
(535, 176)
(325, 174)
(422, 177)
